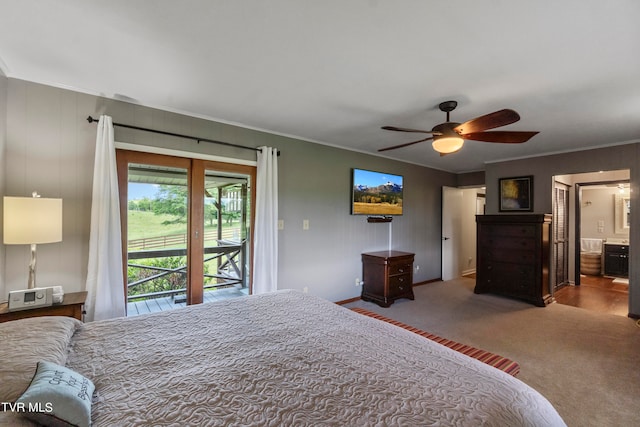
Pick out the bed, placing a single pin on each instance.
(278, 359)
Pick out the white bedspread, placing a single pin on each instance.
(288, 359)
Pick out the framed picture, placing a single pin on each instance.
(516, 194)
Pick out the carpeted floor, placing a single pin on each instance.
(585, 363)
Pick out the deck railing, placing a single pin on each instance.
(176, 239)
(230, 268)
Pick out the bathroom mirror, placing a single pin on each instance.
(622, 213)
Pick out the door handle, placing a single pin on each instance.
(445, 238)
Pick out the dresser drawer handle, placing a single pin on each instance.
(401, 270)
(400, 279)
(401, 288)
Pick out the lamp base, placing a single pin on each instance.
(32, 268)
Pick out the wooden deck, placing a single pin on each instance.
(153, 305)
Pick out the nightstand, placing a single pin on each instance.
(71, 306)
(388, 275)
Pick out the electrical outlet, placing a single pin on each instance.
(305, 290)
(281, 224)
(357, 282)
(305, 224)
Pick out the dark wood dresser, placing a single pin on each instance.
(387, 276)
(513, 256)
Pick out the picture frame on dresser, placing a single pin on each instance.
(516, 194)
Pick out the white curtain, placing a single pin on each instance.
(105, 286)
(265, 253)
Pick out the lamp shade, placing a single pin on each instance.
(32, 220)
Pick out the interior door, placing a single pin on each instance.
(561, 234)
(451, 226)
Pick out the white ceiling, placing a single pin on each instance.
(334, 71)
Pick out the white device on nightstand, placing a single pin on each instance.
(58, 295)
(30, 298)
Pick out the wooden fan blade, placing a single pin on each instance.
(408, 130)
(488, 121)
(506, 137)
(405, 145)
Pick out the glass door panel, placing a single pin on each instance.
(226, 201)
(157, 237)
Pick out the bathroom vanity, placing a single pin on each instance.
(616, 259)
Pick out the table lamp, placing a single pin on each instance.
(31, 221)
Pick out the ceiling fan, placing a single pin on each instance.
(449, 137)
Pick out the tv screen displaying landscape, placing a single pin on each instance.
(376, 193)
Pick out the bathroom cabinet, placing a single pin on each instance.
(616, 260)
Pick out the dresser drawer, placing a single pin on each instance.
(399, 284)
(511, 230)
(510, 279)
(516, 256)
(400, 268)
(509, 243)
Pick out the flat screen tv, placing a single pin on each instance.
(376, 193)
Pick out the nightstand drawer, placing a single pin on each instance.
(400, 268)
(399, 284)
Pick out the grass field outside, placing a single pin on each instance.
(144, 225)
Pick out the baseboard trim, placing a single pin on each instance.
(347, 301)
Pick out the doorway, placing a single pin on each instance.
(593, 228)
(186, 228)
(459, 209)
(451, 227)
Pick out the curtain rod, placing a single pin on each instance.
(213, 141)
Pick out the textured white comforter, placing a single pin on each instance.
(289, 359)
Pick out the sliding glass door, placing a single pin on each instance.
(186, 230)
(223, 214)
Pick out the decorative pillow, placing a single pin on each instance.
(57, 396)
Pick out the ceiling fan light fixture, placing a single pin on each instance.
(447, 144)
